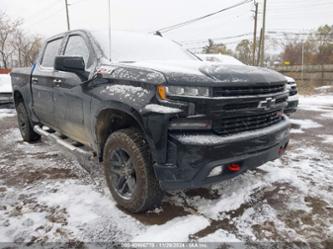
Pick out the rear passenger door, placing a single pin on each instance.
(71, 103)
(43, 80)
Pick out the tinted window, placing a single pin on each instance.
(51, 51)
(76, 46)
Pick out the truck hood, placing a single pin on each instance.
(200, 72)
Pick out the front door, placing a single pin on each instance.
(71, 103)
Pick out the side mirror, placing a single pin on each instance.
(73, 64)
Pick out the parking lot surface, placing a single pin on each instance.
(47, 196)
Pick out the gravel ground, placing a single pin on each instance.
(47, 197)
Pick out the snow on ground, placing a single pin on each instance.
(303, 124)
(46, 196)
(7, 113)
(321, 103)
(327, 139)
(176, 230)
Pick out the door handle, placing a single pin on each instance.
(34, 80)
(57, 82)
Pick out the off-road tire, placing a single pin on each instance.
(147, 193)
(24, 123)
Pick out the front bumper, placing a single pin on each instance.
(191, 157)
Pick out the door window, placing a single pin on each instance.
(51, 51)
(76, 46)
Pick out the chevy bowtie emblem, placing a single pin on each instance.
(267, 103)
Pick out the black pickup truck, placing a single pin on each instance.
(155, 115)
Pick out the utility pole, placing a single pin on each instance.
(255, 34)
(303, 62)
(109, 23)
(263, 35)
(259, 47)
(67, 15)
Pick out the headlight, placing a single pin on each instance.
(188, 91)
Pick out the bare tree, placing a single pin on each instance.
(16, 47)
(244, 51)
(26, 48)
(7, 30)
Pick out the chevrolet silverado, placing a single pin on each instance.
(156, 116)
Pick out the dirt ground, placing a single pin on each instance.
(46, 196)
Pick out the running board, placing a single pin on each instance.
(85, 157)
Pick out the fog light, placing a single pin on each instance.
(216, 171)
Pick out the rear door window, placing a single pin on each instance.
(51, 51)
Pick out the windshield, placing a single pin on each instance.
(129, 47)
(224, 59)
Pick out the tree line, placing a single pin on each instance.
(17, 48)
(313, 49)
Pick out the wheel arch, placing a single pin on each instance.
(110, 120)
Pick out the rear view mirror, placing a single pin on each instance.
(74, 64)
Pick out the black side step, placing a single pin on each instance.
(85, 157)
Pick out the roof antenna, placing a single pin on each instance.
(109, 20)
(158, 33)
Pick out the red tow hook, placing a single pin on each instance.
(282, 149)
(234, 167)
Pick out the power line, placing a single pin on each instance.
(179, 25)
(42, 11)
(271, 32)
(46, 17)
(216, 39)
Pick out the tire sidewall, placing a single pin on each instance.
(27, 132)
(22, 113)
(140, 164)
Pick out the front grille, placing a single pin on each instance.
(232, 91)
(250, 105)
(234, 125)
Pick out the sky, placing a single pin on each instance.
(47, 17)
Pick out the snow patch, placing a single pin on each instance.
(161, 109)
(327, 139)
(321, 103)
(296, 131)
(175, 230)
(306, 123)
(200, 139)
(327, 115)
(87, 208)
(125, 90)
(220, 236)
(6, 113)
(323, 87)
